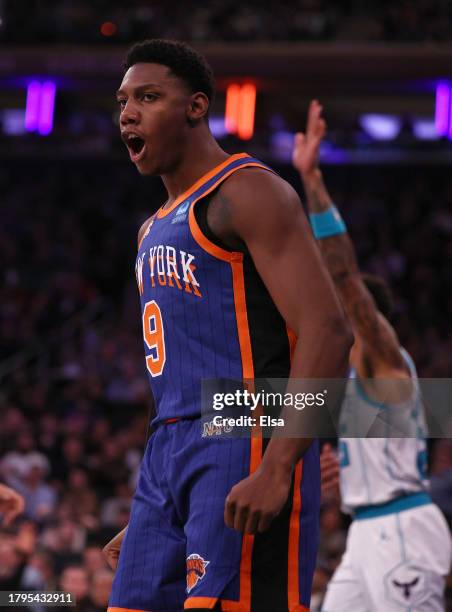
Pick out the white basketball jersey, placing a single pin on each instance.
(374, 470)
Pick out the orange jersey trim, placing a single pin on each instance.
(294, 545)
(165, 211)
(205, 243)
(238, 282)
(292, 341)
(197, 234)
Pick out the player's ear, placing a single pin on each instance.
(198, 107)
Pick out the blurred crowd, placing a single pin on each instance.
(81, 21)
(75, 402)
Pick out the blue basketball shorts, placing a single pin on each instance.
(178, 553)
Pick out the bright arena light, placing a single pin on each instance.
(33, 106)
(40, 107)
(240, 110)
(381, 127)
(425, 129)
(45, 123)
(442, 108)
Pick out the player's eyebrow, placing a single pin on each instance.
(139, 88)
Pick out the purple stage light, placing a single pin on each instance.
(13, 121)
(449, 134)
(217, 127)
(381, 127)
(442, 108)
(425, 129)
(33, 106)
(45, 123)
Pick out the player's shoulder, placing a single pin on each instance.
(256, 184)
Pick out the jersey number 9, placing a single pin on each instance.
(154, 338)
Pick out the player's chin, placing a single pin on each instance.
(146, 167)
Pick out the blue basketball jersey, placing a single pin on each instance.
(206, 313)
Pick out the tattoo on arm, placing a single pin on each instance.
(359, 304)
(317, 195)
(340, 258)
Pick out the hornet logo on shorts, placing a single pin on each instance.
(196, 570)
(406, 586)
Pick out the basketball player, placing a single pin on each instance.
(398, 547)
(223, 268)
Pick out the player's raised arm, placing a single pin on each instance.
(380, 343)
(264, 212)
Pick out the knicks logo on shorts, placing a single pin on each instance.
(196, 570)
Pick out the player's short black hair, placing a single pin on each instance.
(381, 293)
(183, 61)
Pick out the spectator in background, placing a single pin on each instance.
(15, 464)
(114, 506)
(100, 589)
(66, 541)
(11, 504)
(72, 456)
(75, 580)
(39, 573)
(93, 559)
(81, 497)
(40, 498)
(15, 550)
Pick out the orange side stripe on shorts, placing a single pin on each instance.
(200, 602)
(294, 545)
(238, 280)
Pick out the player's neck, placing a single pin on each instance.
(201, 154)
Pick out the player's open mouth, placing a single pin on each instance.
(136, 146)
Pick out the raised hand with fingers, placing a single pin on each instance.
(305, 156)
